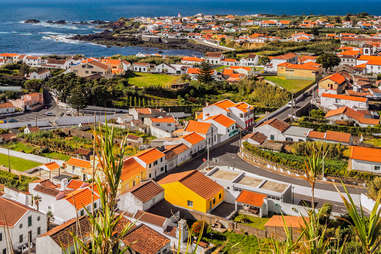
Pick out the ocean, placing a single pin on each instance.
(44, 38)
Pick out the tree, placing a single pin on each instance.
(328, 61)
(205, 75)
(374, 188)
(264, 60)
(78, 98)
(37, 199)
(33, 85)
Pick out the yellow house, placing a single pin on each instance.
(334, 83)
(192, 190)
(132, 174)
(308, 71)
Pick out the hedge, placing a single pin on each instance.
(14, 181)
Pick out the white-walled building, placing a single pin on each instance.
(19, 225)
(226, 127)
(196, 142)
(335, 101)
(206, 130)
(365, 159)
(153, 160)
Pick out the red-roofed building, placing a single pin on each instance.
(335, 101)
(346, 114)
(196, 142)
(365, 159)
(252, 202)
(309, 70)
(153, 161)
(206, 130)
(226, 127)
(334, 84)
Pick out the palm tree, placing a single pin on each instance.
(37, 199)
(313, 168)
(49, 217)
(367, 229)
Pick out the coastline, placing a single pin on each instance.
(107, 39)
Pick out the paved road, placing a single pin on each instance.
(27, 156)
(226, 155)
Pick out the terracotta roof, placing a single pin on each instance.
(277, 124)
(224, 104)
(150, 155)
(285, 56)
(223, 120)
(6, 105)
(163, 120)
(193, 71)
(316, 134)
(353, 114)
(81, 198)
(213, 54)
(196, 182)
(251, 198)
(150, 218)
(76, 184)
(130, 169)
(243, 106)
(259, 137)
(192, 59)
(79, 163)
(172, 151)
(198, 127)
(290, 221)
(11, 212)
(52, 165)
(62, 234)
(338, 136)
(344, 97)
(336, 77)
(46, 190)
(146, 191)
(144, 240)
(305, 66)
(365, 154)
(193, 138)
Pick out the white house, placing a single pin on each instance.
(250, 60)
(214, 58)
(276, 60)
(141, 67)
(255, 138)
(66, 201)
(206, 130)
(226, 127)
(19, 226)
(141, 197)
(196, 142)
(43, 74)
(176, 155)
(335, 101)
(153, 160)
(365, 159)
(352, 116)
(161, 127)
(6, 108)
(33, 61)
(273, 129)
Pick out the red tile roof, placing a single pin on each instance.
(198, 127)
(251, 198)
(277, 124)
(365, 154)
(336, 77)
(130, 169)
(79, 163)
(81, 198)
(223, 120)
(146, 191)
(193, 138)
(150, 155)
(163, 120)
(290, 221)
(344, 97)
(11, 212)
(195, 181)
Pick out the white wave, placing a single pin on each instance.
(65, 38)
(50, 33)
(65, 26)
(4, 32)
(26, 34)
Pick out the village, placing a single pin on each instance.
(233, 164)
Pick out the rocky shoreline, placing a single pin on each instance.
(107, 38)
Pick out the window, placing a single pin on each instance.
(190, 203)
(20, 225)
(272, 137)
(1, 237)
(82, 212)
(149, 176)
(38, 218)
(210, 204)
(219, 196)
(214, 201)
(5, 251)
(95, 205)
(38, 230)
(21, 238)
(29, 221)
(376, 168)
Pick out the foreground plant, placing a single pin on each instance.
(367, 229)
(108, 226)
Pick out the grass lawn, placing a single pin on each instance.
(20, 147)
(57, 156)
(291, 85)
(149, 79)
(374, 141)
(17, 163)
(252, 221)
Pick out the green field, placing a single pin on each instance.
(17, 163)
(149, 79)
(252, 221)
(27, 148)
(291, 85)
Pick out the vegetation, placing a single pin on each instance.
(255, 222)
(156, 80)
(328, 61)
(18, 182)
(17, 163)
(374, 188)
(291, 85)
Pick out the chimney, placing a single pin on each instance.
(64, 184)
(182, 231)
